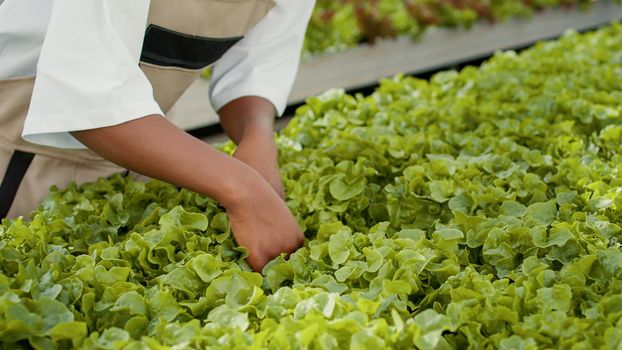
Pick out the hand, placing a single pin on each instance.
(260, 153)
(262, 222)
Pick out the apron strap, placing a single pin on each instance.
(18, 165)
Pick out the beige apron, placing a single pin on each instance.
(182, 38)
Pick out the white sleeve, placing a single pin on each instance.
(264, 63)
(88, 74)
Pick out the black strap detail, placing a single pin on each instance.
(168, 48)
(18, 165)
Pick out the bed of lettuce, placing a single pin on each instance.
(481, 209)
(340, 24)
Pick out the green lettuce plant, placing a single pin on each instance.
(338, 25)
(481, 209)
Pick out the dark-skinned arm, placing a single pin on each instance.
(154, 147)
(249, 122)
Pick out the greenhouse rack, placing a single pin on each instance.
(361, 67)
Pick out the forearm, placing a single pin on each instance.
(248, 117)
(154, 147)
(249, 122)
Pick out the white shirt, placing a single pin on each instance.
(85, 55)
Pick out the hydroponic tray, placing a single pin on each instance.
(438, 49)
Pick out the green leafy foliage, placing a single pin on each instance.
(338, 25)
(481, 209)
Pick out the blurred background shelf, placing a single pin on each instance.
(362, 66)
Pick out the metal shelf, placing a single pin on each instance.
(438, 48)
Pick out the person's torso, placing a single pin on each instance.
(181, 38)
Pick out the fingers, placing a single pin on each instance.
(258, 260)
(256, 263)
